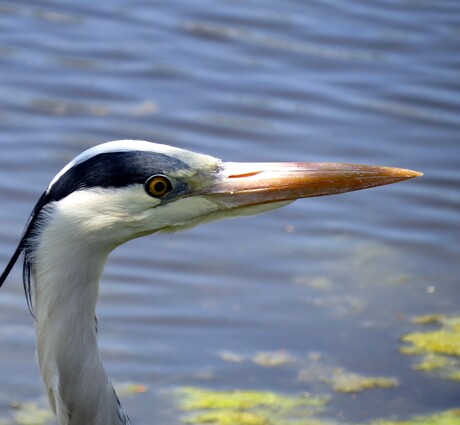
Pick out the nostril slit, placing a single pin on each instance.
(239, 176)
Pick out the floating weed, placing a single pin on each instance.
(411, 350)
(32, 414)
(428, 319)
(446, 367)
(241, 408)
(445, 340)
(198, 398)
(231, 357)
(267, 408)
(37, 413)
(440, 347)
(442, 341)
(432, 362)
(247, 407)
(224, 417)
(273, 358)
(347, 382)
(263, 358)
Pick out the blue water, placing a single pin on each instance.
(331, 278)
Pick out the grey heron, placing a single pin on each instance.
(119, 191)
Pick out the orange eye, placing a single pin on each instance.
(158, 186)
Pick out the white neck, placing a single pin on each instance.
(66, 274)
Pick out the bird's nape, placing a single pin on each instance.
(121, 190)
(26, 272)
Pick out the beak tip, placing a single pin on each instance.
(410, 174)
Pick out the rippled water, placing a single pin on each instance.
(328, 280)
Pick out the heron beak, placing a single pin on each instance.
(249, 184)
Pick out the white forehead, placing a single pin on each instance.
(191, 158)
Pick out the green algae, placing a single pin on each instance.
(207, 407)
(440, 347)
(445, 367)
(273, 358)
(231, 357)
(267, 408)
(247, 407)
(344, 381)
(30, 414)
(33, 415)
(268, 359)
(347, 382)
(432, 362)
(38, 413)
(442, 341)
(428, 319)
(224, 417)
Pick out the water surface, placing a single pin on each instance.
(328, 280)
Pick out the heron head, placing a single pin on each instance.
(125, 189)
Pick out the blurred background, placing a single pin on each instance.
(289, 301)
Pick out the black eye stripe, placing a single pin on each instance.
(113, 169)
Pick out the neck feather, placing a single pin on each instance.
(66, 274)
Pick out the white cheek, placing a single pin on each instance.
(111, 215)
(182, 213)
